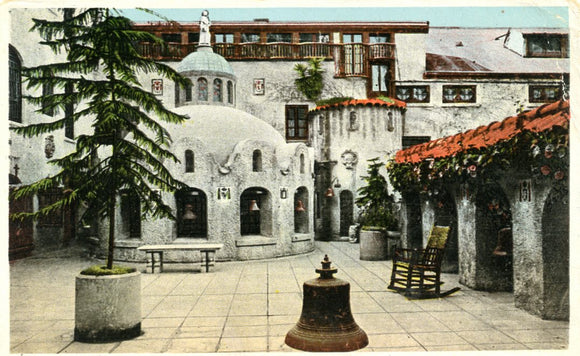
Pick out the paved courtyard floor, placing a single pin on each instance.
(250, 306)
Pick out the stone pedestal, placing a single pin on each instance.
(377, 245)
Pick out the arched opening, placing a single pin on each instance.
(131, 214)
(189, 161)
(414, 220)
(191, 213)
(493, 246)
(302, 164)
(301, 210)
(346, 211)
(15, 85)
(446, 215)
(257, 161)
(202, 89)
(255, 212)
(556, 257)
(218, 95)
(230, 92)
(188, 92)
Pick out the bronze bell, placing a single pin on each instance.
(504, 242)
(326, 323)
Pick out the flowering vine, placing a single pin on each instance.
(543, 155)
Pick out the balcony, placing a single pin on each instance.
(350, 59)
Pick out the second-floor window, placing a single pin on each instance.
(15, 86)
(544, 93)
(381, 78)
(224, 38)
(250, 37)
(314, 37)
(202, 89)
(171, 37)
(352, 38)
(459, 94)
(413, 94)
(279, 37)
(547, 45)
(296, 122)
(218, 95)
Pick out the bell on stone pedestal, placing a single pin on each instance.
(326, 323)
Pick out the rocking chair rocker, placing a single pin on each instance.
(417, 272)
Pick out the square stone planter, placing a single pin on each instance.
(107, 308)
(377, 244)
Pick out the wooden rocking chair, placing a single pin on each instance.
(417, 272)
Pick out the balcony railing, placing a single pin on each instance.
(350, 59)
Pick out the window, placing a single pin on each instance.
(296, 122)
(202, 89)
(191, 213)
(47, 90)
(193, 37)
(171, 37)
(250, 37)
(409, 141)
(257, 161)
(544, 94)
(413, 94)
(302, 163)
(188, 91)
(314, 37)
(177, 90)
(381, 78)
(459, 94)
(131, 214)
(279, 37)
(15, 90)
(352, 121)
(544, 45)
(353, 54)
(352, 38)
(217, 91)
(380, 38)
(69, 125)
(230, 92)
(189, 161)
(224, 38)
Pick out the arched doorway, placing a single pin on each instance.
(191, 213)
(255, 212)
(493, 246)
(346, 211)
(446, 215)
(301, 206)
(556, 257)
(414, 220)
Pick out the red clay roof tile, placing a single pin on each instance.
(363, 102)
(540, 119)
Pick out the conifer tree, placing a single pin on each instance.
(126, 145)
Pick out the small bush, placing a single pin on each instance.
(99, 270)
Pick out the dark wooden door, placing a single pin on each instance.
(21, 242)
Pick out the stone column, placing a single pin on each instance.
(466, 235)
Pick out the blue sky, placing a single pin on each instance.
(437, 16)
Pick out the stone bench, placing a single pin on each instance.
(159, 249)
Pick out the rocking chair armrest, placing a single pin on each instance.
(410, 255)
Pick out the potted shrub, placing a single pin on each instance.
(379, 215)
(122, 149)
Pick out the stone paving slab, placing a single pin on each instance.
(250, 306)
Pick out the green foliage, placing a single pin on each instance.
(99, 270)
(377, 206)
(128, 144)
(332, 101)
(310, 81)
(542, 156)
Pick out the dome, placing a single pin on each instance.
(220, 128)
(204, 60)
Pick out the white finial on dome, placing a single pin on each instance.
(204, 35)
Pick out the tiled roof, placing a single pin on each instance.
(363, 102)
(540, 119)
(439, 62)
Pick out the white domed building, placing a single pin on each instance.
(246, 183)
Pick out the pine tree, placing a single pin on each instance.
(128, 144)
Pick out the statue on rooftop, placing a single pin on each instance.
(204, 35)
